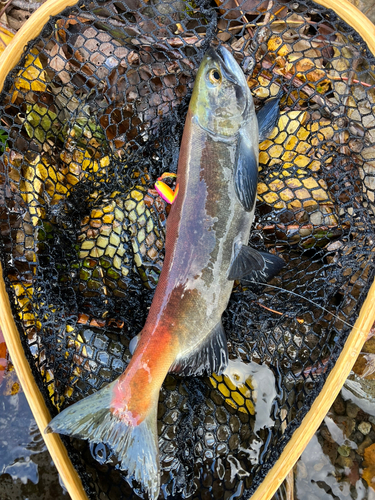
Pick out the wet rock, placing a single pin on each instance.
(339, 406)
(351, 410)
(358, 437)
(365, 444)
(354, 474)
(344, 461)
(324, 432)
(330, 450)
(369, 346)
(343, 450)
(364, 427)
(346, 424)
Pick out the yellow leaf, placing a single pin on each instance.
(276, 44)
(32, 77)
(6, 37)
(291, 121)
(262, 188)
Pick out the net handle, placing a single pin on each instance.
(30, 30)
(8, 60)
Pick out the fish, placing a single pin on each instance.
(206, 249)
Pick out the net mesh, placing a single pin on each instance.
(91, 116)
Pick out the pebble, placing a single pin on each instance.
(364, 427)
(365, 444)
(351, 410)
(346, 424)
(358, 437)
(339, 406)
(324, 432)
(344, 461)
(344, 451)
(330, 449)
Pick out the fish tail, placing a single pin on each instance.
(136, 446)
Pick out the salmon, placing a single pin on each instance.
(205, 251)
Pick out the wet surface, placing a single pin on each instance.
(339, 461)
(26, 468)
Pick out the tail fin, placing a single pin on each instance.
(136, 447)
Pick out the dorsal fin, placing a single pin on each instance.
(209, 357)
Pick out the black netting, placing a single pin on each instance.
(91, 116)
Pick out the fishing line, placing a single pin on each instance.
(304, 298)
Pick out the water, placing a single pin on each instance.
(26, 469)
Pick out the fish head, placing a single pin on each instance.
(221, 101)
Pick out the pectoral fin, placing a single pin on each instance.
(268, 117)
(209, 356)
(250, 262)
(246, 173)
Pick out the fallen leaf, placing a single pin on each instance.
(276, 44)
(252, 7)
(6, 37)
(32, 77)
(364, 367)
(369, 472)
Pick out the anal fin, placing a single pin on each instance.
(210, 356)
(249, 262)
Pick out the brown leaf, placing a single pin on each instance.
(369, 476)
(365, 366)
(370, 455)
(253, 7)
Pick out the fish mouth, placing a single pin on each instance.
(229, 65)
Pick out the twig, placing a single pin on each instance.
(250, 31)
(267, 17)
(344, 78)
(96, 18)
(8, 28)
(300, 320)
(314, 41)
(264, 23)
(269, 309)
(2, 11)
(299, 83)
(289, 485)
(22, 4)
(263, 31)
(345, 149)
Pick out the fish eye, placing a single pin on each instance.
(214, 76)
